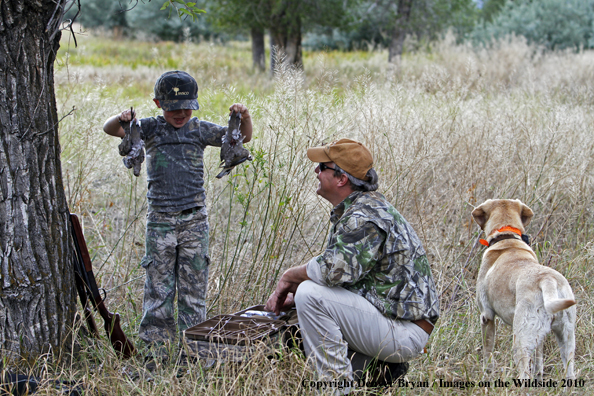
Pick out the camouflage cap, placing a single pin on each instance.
(177, 90)
(350, 155)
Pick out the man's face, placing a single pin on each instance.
(327, 180)
(176, 118)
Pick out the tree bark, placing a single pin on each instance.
(293, 48)
(287, 47)
(258, 52)
(273, 53)
(37, 294)
(285, 34)
(399, 31)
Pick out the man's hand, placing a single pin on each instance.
(279, 301)
(289, 302)
(283, 296)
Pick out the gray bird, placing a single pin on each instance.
(132, 146)
(232, 151)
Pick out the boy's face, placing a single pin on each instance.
(176, 118)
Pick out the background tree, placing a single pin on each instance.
(379, 24)
(37, 297)
(423, 19)
(286, 20)
(252, 17)
(399, 13)
(101, 14)
(148, 19)
(116, 20)
(490, 9)
(96, 13)
(285, 23)
(555, 24)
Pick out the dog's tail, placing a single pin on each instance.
(550, 295)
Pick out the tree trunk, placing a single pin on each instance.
(398, 33)
(258, 53)
(396, 45)
(285, 34)
(37, 294)
(287, 47)
(293, 48)
(273, 53)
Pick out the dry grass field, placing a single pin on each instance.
(450, 128)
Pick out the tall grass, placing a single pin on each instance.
(449, 128)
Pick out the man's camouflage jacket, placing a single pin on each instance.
(374, 252)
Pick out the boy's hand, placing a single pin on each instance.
(127, 116)
(113, 127)
(240, 108)
(246, 120)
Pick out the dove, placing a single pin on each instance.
(132, 146)
(232, 151)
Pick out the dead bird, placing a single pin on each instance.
(232, 151)
(132, 146)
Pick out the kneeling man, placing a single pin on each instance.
(371, 290)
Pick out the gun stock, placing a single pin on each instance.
(118, 339)
(88, 291)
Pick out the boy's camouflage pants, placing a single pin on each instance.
(176, 260)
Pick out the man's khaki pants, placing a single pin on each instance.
(333, 319)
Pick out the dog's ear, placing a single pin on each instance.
(526, 215)
(480, 216)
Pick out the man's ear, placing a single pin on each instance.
(157, 103)
(343, 180)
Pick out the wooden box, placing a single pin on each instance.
(235, 337)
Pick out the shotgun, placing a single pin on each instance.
(89, 295)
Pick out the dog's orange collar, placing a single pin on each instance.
(503, 229)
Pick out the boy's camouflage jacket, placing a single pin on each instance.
(175, 156)
(374, 252)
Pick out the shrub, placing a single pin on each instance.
(373, 21)
(554, 24)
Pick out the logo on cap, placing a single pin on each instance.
(176, 90)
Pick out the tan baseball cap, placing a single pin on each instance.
(351, 156)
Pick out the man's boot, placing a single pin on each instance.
(375, 372)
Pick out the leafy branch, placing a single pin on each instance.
(183, 8)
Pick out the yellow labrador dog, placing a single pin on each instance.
(511, 284)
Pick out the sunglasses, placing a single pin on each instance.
(323, 167)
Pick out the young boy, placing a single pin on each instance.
(177, 226)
